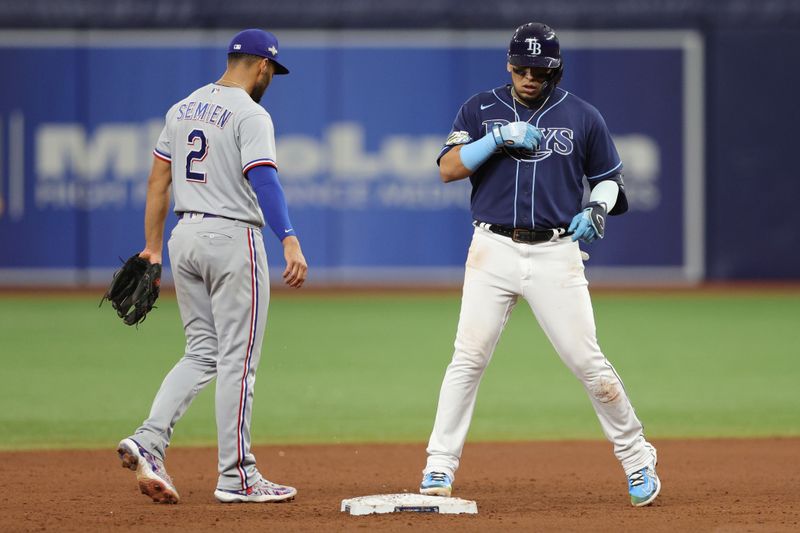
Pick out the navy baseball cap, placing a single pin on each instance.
(258, 43)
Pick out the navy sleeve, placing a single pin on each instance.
(602, 160)
(264, 180)
(465, 128)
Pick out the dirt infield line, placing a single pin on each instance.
(708, 485)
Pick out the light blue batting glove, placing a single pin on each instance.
(517, 135)
(589, 224)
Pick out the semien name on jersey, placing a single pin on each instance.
(204, 112)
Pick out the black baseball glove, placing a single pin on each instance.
(134, 289)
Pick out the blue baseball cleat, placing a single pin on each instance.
(644, 486)
(436, 484)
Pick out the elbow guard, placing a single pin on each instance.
(621, 206)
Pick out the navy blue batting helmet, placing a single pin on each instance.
(536, 45)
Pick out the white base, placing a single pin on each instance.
(414, 503)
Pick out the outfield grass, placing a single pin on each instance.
(344, 369)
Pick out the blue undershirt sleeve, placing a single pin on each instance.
(264, 180)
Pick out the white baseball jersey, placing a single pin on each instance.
(212, 138)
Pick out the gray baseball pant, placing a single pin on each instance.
(220, 271)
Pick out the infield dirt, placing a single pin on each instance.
(721, 485)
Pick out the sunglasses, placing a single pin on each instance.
(537, 73)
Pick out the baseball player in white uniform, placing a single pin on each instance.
(217, 151)
(526, 148)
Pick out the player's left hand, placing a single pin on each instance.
(134, 289)
(589, 224)
(296, 266)
(154, 258)
(517, 135)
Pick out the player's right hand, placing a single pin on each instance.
(517, 135)
(296, 266)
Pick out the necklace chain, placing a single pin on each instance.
(514, 101)
(233, 82)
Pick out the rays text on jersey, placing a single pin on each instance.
(556, 140)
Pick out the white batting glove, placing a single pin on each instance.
(517, 135)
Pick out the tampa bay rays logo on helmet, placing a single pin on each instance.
(534, 46)
(554, 141)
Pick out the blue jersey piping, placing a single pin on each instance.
(533, 177)
(605, 173)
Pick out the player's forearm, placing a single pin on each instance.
(451, 168)
(290, 242)
(156, 206)
(468, 157)
(155, 215)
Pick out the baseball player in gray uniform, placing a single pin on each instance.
(217, 151)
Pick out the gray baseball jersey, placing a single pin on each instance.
(225, 122)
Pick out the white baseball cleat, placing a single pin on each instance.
(262, 491)
(150, 472)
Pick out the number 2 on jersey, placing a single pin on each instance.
(196, 155)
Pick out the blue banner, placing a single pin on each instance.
(358, 128)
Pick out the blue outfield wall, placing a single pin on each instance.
(753, 177)
(358, 123)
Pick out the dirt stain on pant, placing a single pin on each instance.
(605, 391)
(476, 257)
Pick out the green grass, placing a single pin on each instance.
(346, 369)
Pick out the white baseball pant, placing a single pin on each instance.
(550, 277)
